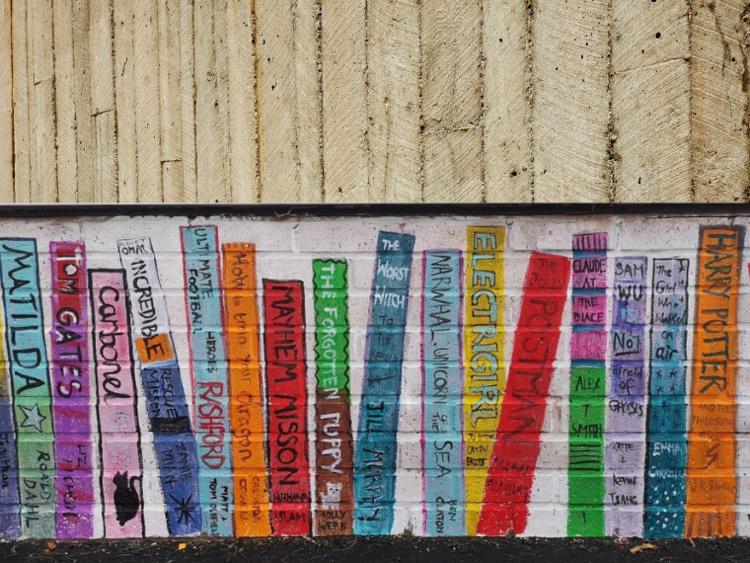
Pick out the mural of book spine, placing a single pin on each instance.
(169, 419)
(588, 351)
(333, 438)
(242, 325)
(666, 442)
(203, 307)
(517, 441)
(29, 374)
(442, 385)
(626, 400)
(375, 450)
(286, 400)
(120, 456)
(712, 471)
(69, 343)
(484, 358)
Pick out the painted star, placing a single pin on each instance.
(185, 507)
(33, 418)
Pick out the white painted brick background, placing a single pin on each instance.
(285, 249)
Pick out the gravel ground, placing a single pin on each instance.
(370, 550)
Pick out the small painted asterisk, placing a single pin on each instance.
(186, 508)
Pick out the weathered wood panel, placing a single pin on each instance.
(42, 105)
(344, 76)
(571, 110)
(6, 103)
(103, 102)
(651, 93)
(21, 117)
(147, 104)
(243, 133)
(170, 91)
(288, 101)
(508, 101)
(374, 100)
(127, 153)
(210, 106)
(393, 100)
(452, 89)
(720, 36)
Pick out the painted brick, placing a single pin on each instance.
(426, 339)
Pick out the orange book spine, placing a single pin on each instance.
(711, 474)
(251, 503)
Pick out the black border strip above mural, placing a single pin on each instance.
(367, 210)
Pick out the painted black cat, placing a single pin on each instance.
(127, 501)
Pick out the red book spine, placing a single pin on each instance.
(286, 399)
(514, 457)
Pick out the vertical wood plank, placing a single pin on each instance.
(651, 101)
(171, 100)
(720, 37)
(344, 67)
(571, 101)
(42, 91)
(507, 100)
(393, 101)
(67, 159)
(187, 89)
(309, 100)
(85, 133)
(277, 101)
(222, 92)
(242, 123)
(288, 101)
(103, 102)
(452, 101)
(210, 151)
(127, 155)
(147, 113)
(6, 103)
(21, 121)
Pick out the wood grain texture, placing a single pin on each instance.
(374, 100)
(344, 68)
(452, 117)
(508, 101)
(170, 90)
(222, 91)
(21, 117)
(187, 107)
(308, 79)
(209, 107)
(127, 149)
(719, 86)
(147, 100)
(650, 92)
(6, 103)
(103, 102)
(571, 101)
(85, 131)
(288, 97)
(42, 106)
(393, 101)
(243, 128)
(67, 158)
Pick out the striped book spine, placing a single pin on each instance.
(588, 349)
